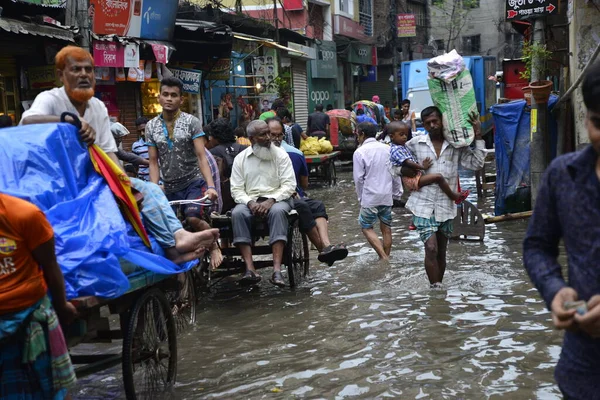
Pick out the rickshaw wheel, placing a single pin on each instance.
(150, 348)
(297, 260)
(183, 301)
(331, 174)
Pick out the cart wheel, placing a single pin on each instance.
(150, 348)
(183, 301)
(332, 174)
(297, 255)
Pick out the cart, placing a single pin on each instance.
(149, 314)
(322, 167)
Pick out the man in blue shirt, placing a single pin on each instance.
(568, 208)
(312, 214)
(362, 117)
(140, 148)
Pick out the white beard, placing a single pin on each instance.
(264, 153)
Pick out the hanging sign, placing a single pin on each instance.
(190, 77)
(524, 9)
(131, 55)
(107, 54)
(161, 53)
(406, 25)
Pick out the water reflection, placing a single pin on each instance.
(366, 329)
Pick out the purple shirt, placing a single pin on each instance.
(371, 176)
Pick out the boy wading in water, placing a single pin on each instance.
(401, 156)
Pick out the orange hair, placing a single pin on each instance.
(74, 52)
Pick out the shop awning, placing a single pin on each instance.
(267, 42)
(29, 28)
(46, 3)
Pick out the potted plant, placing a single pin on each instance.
(535, 56)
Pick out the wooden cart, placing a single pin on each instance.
(322, 167)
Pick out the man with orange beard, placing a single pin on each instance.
(75, 68)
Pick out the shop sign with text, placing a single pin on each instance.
(321, 91)
(360, 54)
(42, 77)
(146, 19)
(347, 27)
(325, 64)
(524, 9)
(113, 54)
(220, 70)
(406, 25)
(191, 79)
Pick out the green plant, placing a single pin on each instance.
(283, 86)
(535, 56)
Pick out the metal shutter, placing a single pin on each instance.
(383, 87)
(300, 85)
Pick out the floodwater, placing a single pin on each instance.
(366, 329)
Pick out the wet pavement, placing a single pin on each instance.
(366, 329)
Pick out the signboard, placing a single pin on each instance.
(406, 25)
(524, 9)
(131, 55)
(146, 19)
(42, 77)
(220, 70)
(190, 77)
(321, 91)
(347, 27)
(325, 64)
(107, 54)
(360, 54)
(293, 5)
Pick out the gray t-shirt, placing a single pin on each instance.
(177, 159)
(55, 102)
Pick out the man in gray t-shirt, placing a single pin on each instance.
(176, 148)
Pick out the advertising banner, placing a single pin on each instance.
(360, 54)
(406, 25)
(146, 19)
(325, 65)
(108, 54)
(524, 9)
(42, 77)
(220, 70)
(191, 79)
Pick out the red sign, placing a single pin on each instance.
(293, 5)
(161, 53)
(406, 25)
(112, 16)
(108, 54)
(347, 27)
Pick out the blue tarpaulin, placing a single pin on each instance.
(511, 141)
(49, 166)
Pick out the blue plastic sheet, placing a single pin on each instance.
(49, 166)
(511, 141)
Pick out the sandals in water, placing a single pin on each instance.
(277, 279)
(250, 278)
(331, 254)
(463, 196)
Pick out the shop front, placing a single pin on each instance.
(300, 58)
(360, 58)
(323, 85)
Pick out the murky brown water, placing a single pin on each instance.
(365, 329)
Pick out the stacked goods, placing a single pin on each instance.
(451, 88)
(313, 146)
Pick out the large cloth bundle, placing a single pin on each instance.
(49, 166)
(451, 88)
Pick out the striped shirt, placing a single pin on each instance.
(214, 171)
(430, 200)
(140, 149)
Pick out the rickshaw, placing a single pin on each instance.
(108, 268)
(371, 109)
(342, 130)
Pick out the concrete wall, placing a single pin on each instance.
(584, 34)
(483, 20)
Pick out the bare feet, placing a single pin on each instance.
(180, 258)
(462, 196)
(216, 257)
(186, 242)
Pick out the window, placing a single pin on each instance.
(467, 4)
(513, 47)
(346, 6)
(419, 11)
(365, 13)
(471, 44)
(439, 43)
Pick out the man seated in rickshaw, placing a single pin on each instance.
(75, 68)
(312, 213)
(262, 183)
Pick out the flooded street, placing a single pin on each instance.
(366, 329)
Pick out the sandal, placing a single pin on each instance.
(463, 196)
(331, 254)
(277, 279)
(250, 278)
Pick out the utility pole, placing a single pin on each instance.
(276, 21)
(77, 15)
(539, 146)
(394, 30)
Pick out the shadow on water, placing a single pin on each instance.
(367, 329)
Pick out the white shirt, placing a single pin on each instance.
(373, 181)
(55, 102)
(430, 200)
(252, 177)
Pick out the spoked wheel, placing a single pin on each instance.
(297, 260)
(332, 174)
(183, 301)
(150, 348)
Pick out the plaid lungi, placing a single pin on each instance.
(428, 226)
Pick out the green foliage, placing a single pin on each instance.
(531, 52)
(283, 86)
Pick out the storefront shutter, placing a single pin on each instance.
(300, 85)
(382, 88)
